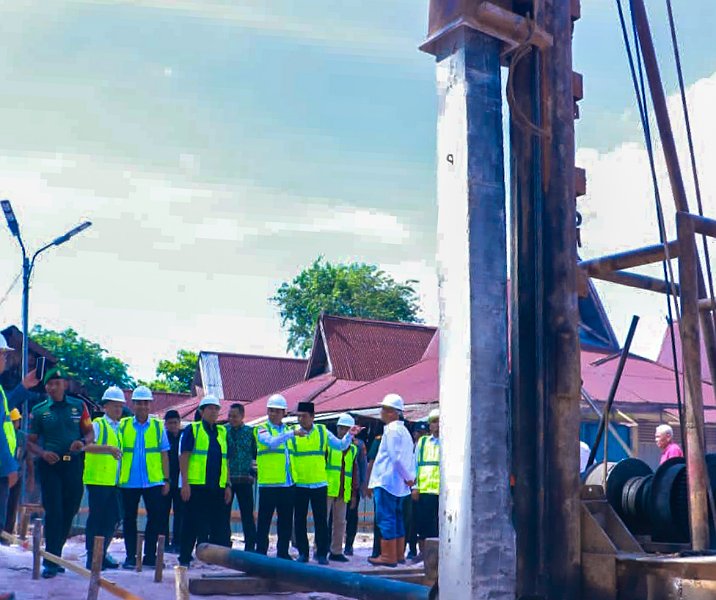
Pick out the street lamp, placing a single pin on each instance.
(27, 266)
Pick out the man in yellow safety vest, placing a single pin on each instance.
(275, 477)
(308, 455)
(100, 476)
(426, 491)
(143, 474)
(342, 472)
(204, 481)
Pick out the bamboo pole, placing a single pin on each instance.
(159, 562)
(181, 583)
(97, 556)
(36, 547)
(139, 549)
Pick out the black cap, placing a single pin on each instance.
(306, 407)
(172, 414)
(421, 426)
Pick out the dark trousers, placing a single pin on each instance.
(411, 526)
(103, 515)
(173, 502)
(13, 501)
(4, 494)
(62, 492)
(204, 520)
(279, 500)
(154, 503)
(351, 524)
(428, 516)
(376, 529)
(243, 491)
(318, 499)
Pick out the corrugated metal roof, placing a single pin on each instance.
(666, 356)
(364, 350)
(245, 377)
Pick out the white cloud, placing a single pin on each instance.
(619, 211)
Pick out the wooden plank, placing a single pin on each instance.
(36, 547)
(241, 586)
(97, 556)
(159, 562)
(181, 583)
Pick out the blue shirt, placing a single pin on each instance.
(138, 476)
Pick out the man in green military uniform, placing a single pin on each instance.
(100, 476)
(60, 428)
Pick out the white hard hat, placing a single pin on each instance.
(434, 415)
(115, 394)
(142, 392)
(3, 344)
(209, 399)
(393, 401)
(277, 401)
(345, 420)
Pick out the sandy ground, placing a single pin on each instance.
(16, 575)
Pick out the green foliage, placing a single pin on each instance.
(84, 360)
(175, 376)
(352, 290)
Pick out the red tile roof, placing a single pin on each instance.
(364, 350)
(245, 377)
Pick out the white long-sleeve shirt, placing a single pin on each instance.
(395, 462)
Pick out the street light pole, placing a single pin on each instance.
(27, 266)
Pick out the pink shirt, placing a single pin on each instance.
(671, 451)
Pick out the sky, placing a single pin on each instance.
(219, 147)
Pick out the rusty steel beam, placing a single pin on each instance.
(702, 225)
(596, 267)
(641, 282)
(321, 579)
(694, 405)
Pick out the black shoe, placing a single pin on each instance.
(337, 558)
(129, 563)
(412, 554)
(348, 551)
(109, 563)
(322, 560)
(184, 563)
(151, 561)
(49, 572)
(59, 569)
(302, 558)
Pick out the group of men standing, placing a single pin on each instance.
(196, 474)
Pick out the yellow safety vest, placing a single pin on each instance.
(271, 463)
(153, 455)
(196, 474)
(7, 426)
(308, 455)
(428, 481)
(101, 469)
(333, 470)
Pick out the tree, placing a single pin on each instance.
(175, 376)
(84, 360)
(353, 290)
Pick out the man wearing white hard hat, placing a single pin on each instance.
(143, 474)
(342, 474)
(427, 485)
(275, 479)
(204, 481)
(392, 477)
(101, 471)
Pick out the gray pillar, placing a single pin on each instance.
(477, 542)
